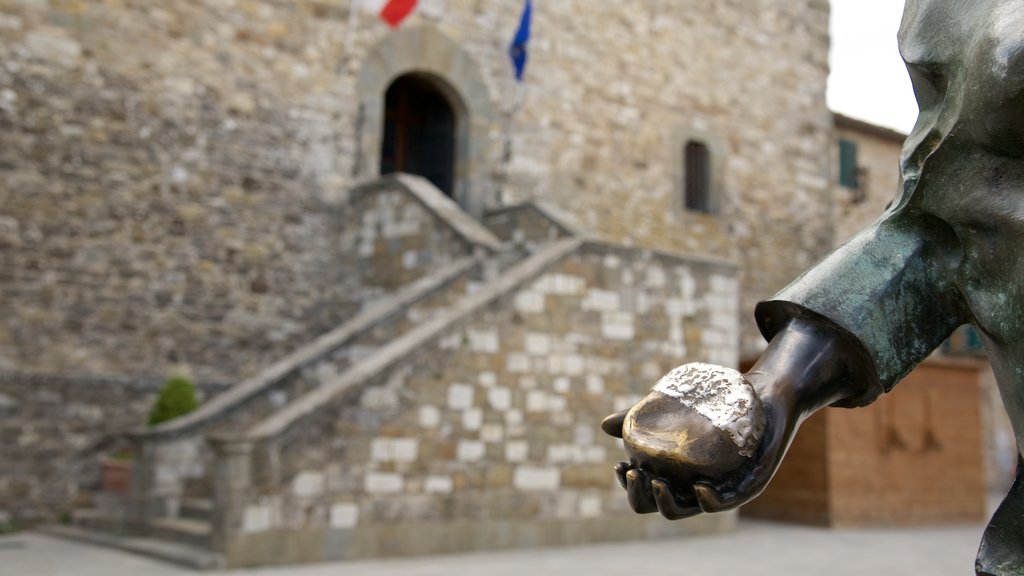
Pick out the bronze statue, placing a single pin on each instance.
(943, 254)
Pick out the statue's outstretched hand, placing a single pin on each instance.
(686, 493)
(708, 439)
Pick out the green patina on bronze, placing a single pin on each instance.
(948, 251)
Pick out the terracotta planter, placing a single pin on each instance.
(117, 475)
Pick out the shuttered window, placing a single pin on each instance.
(848, 163)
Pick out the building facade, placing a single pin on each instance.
(195, 188)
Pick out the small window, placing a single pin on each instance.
(848, 164)
(697, 177)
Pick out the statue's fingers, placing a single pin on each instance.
(638, 491)
(668, 504)
(710, 500)
(612, 424)
(620, 472)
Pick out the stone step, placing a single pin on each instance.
(185, 530)
(95, 519)
(196, 509)
(175, 552)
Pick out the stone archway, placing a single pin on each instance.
(425, 50)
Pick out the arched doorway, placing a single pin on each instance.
(420, 130)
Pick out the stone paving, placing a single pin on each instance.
(760, 548)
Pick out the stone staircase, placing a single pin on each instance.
(175, 512)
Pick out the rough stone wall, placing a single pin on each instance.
(172, 171)
(161, 200)
(490, 437)
(52, 433)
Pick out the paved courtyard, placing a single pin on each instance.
(760, 548)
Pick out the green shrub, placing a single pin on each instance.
(177, 397)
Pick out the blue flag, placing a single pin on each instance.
(517, 51)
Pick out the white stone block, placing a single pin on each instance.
(655, 277)
(555, 363)
(470, 451)
(617, 325)
(483, 341)
(514, 418)
(574, 364)
(651, 371)
(537, 343)
(595, 454)
(403, 450)
(499, 399)
(517, 363)
(562, 384)
(257, 518)
(601, 300)
(278, 398)
(492, 433)
(344, 515)
(410, 258)
(430, 416)
(472, 419)
(536, 401)
(529, 302)
(643, 302)
(451, 342)
(308, 484)
(517, 451)
(590, 506)
(724, 285)
(560, 284)
(460, 396)
(534, 478)
(383, 483)
(687, 285)
(436, 484)
(487, 379)
(584, 434)
(559, 453)
(595, 384)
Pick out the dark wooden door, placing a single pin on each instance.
(419, 132)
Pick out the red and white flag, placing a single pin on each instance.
(396, 10)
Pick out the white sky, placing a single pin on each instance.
(868, 80)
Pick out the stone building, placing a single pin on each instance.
(196, 188)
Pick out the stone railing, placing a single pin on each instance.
(411, 252)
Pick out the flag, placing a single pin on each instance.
(396, 10)
(517, 51)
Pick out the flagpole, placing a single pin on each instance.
(518, 100)
(517, 52)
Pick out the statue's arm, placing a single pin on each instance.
(841, 334)
(892, 289)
